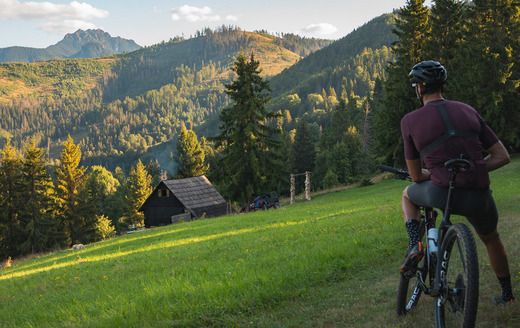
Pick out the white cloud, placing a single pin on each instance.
(57, 17)
(66, 26)
(48, 10)
(320, 29)
(194, 14)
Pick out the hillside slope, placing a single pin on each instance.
(373, 35)
(119, 107)
(331, 262)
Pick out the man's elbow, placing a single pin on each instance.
(506, 159)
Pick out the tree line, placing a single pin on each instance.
(47, 207)
(478, 42)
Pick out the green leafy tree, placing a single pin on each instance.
(190, 155)
(10, 168)
(70, 180)
(101, 187)
(246, 139)
(138, 188)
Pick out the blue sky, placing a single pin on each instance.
(41, 23)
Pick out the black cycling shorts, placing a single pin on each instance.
(477, 205)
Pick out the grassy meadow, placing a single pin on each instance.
(330, 262)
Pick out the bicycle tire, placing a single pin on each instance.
(409, 292)
(458, 297)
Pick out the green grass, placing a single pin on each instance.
(331, 262)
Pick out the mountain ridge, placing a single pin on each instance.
(120, 107)
(89, 43)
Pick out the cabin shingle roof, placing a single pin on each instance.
(195, 192)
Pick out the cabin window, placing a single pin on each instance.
(163, 193)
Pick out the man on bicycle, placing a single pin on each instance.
(438, 131)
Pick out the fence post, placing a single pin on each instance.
(308, 185)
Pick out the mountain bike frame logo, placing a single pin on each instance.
(444, 265)
(413, 299)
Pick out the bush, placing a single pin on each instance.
(365, 182)
(330, 180)
(104, 227)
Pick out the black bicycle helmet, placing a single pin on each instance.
(429, 73)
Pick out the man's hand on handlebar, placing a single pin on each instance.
(425, 174)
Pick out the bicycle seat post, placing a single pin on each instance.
(454, 166)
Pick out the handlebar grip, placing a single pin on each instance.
(402, 174)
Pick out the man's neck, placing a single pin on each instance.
(432, 97)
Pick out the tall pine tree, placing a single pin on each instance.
(69, 183)
(138, 188)
(10, 234)
(303, 151)
(248, 142)
(412, 26)
(39, 226)
(491, 79)
(190, 155)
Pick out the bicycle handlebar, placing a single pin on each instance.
(399, 173)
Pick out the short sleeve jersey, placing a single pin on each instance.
(424, 125)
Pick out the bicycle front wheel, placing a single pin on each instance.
(457, 304)
(410, 289)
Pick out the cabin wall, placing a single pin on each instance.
(159, 210)
(211, 211)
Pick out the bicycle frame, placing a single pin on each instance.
(441, 262)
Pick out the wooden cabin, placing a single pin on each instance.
(182, 200)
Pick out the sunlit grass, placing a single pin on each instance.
(329, 262)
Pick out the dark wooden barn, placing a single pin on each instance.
(182, 200)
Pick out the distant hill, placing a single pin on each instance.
(130, 106)
(122, 106)
(372, 35)
(80, 44)
(152, 67)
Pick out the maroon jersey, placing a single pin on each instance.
(424, 126)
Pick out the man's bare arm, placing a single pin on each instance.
(417, 173)
(498, 156)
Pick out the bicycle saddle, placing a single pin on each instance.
(457, 164)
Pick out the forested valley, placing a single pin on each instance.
(329, 108)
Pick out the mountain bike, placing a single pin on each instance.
(449, 269)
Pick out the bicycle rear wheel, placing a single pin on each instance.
(457, 304)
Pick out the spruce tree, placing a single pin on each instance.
(412, 26)
(491, 79)
(190, 155)
(304, 153)
(138, 188)
(10, 201)
(70, 179)
(246, 139)
(449, 25)
(39, 226)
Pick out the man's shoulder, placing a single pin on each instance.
(459, 105)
